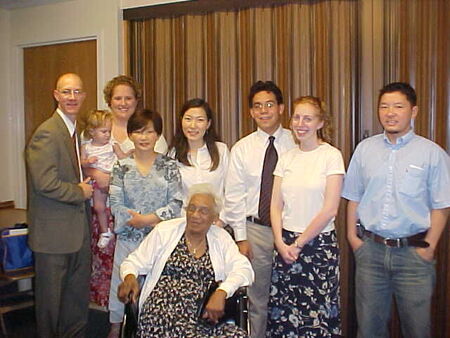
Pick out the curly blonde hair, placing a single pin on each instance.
(96, 119)
(121, 80)
(325, 134)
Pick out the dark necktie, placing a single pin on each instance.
(265, 195)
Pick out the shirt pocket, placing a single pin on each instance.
(413, 182)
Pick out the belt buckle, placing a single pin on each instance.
(398, 242)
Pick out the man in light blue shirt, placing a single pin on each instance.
(398, 187)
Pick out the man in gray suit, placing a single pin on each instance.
(58, 217)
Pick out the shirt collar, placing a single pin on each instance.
(401, 141)
(68, 122)
(264, 136)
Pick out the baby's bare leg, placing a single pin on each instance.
(100, 209)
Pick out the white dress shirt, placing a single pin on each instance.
(230, 267)
(243, 181)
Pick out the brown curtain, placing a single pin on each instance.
(306, 47)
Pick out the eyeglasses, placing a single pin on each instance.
(204, 211)
(259, 106)
(69, 92)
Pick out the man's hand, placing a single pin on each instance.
(426, 253)
(215, 307)
(128, 290)
(355, 242)
(220, 223)
(245, 248)
(87, 188)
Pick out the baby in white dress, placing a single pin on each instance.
(98, 156)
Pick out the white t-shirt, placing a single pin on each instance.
(303, 184)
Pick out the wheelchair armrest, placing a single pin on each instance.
(236, 308)
(130, 321)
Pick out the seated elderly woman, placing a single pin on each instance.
(180, 258)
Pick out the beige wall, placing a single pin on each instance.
(54, 23)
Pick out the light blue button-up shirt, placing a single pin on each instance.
(397, 185)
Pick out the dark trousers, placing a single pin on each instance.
(62, 292)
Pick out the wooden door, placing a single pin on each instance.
(43, 65)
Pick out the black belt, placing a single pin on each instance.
(256, 221)
(416, 240)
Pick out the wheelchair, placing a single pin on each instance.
(236, 312)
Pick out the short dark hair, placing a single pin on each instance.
(141, 118)
(402, 87)
(268, 86)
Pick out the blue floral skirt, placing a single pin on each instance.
(304, 296)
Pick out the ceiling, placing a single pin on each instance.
(11, 4)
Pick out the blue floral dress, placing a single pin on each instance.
(158, 192)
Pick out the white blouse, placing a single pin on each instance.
(199, 171)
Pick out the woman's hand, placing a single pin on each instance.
(289, 253)
(214, 309)
(137, 220)
(86, 163)
(128, 290)
(92, 160)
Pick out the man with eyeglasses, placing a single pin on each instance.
(248, 192)
(58, 217)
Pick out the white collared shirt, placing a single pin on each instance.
(199, 170)
(71, 127)
(243, 181)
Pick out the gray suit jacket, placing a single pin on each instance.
(58, 215)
